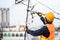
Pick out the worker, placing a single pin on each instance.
(47, 31)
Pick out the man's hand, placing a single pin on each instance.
(39, 14)
(25, 29)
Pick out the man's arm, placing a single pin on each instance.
(43, 31)
(42, 19)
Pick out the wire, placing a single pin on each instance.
(36, 4)
(57, 18)
(22, 3)
(48, 7)
(26, 5)
(18, 1)
(42, 14)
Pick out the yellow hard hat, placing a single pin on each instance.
(49, 16)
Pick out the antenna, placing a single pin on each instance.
(26, 18)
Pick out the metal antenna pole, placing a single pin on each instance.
(26, 18)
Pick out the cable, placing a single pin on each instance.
(48, 7)
(57, 18)
(27, 5)
(42, 14)
(23, 3)
(18, 1)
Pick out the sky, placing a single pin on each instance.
(18, 12)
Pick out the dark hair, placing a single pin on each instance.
(47, 21)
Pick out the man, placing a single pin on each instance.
(47, 31)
